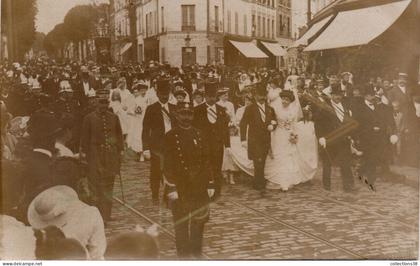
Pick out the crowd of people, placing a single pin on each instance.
(66, 128)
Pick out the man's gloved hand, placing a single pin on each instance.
(211, 191)
(173, 196)
(146, 154)
(393, 139)
(323, 142)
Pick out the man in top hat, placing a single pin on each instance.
(158, 120)
(37, 173)
(372, 135)
(189, 181)
(85, 87)
(402, 94)
(255, 125)
(101, 145)
(334, 127)
(213, 122)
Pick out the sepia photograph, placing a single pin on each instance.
(210, 130)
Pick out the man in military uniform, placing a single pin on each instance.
(102, 145)
(188, 182)
(67, 105)
(211, 119)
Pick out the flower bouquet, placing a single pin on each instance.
(293, 138)
(138, 110)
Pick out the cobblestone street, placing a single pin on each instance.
(306, 222)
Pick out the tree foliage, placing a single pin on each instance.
(79, 21)
(77, 26)
(55, 39)
(24, 12)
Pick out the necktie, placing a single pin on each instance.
(262, 112)
(212, 115)
(339, 112)
(166, 116)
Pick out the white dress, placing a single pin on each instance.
(291, 164)
(136, 112)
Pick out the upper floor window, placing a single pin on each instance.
(188, 17)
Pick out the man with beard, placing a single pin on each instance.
(188, 182)
(102, 145)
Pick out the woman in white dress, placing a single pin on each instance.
(294, 157)
(136, 111)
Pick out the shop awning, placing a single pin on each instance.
(275, 48)
(248, 49)
(311, 32)
(126, 47)
(358, 27)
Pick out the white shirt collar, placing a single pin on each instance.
(261, 104)
(403, 89)
(369, 104)
(211, 106)
(44, 151)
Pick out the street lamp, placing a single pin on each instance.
(187, 40)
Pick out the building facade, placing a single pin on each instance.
(187, 32)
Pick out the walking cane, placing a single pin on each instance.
(121, 186)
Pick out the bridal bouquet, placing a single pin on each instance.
(293, 138)
(138, 110)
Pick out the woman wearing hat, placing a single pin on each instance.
(60, 206)
(136, 110)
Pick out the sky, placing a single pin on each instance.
(52, 12)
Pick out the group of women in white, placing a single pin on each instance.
(288, 163)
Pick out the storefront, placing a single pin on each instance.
(369, 40)
(244, 53)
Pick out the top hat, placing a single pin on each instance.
(163, 86)
(370, 91)
(43, 125)
(211, 88)
(260, 89)
(336, 89)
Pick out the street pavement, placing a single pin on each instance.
(305, 222)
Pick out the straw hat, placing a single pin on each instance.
(51, 207)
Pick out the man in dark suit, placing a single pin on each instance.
(256, 121)
(372, 135)
(402, 94)
(37, 173)
(101, 145)
(334, 125)
(85, 88)
(213, 122)
(158, 120)
(188, 181)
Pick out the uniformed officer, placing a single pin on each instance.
(67, 105)
(189, 182)
(102, 145)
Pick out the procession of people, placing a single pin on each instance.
(66, 128)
